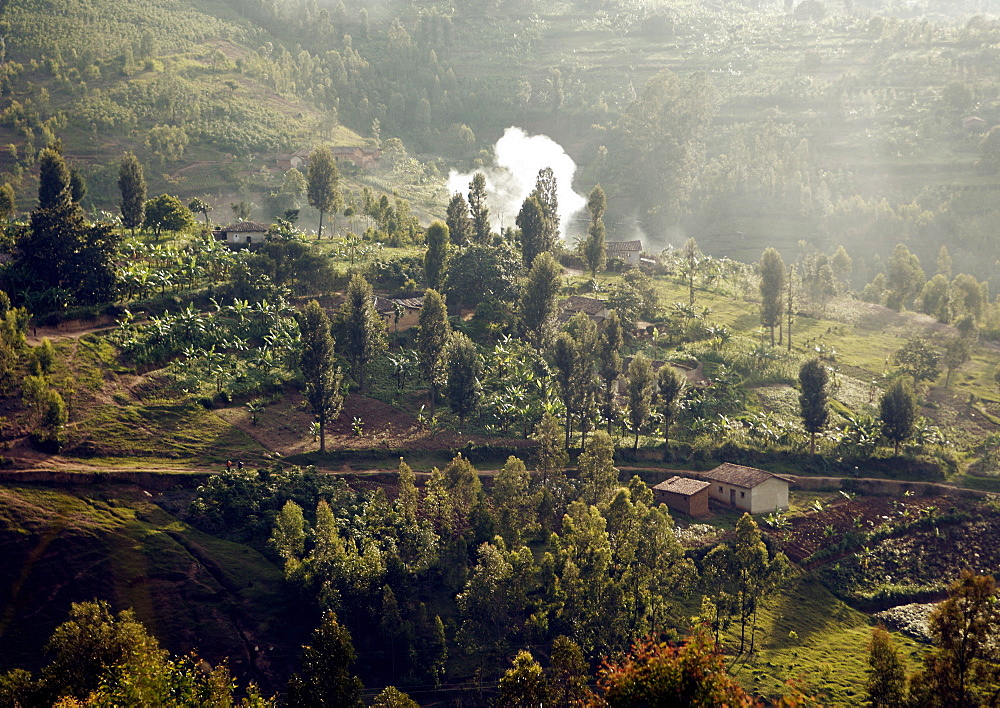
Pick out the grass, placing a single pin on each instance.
(828, 653)
(168, 431)
(191, 590)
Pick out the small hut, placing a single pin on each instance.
(686, 495)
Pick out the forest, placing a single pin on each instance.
(286, 418)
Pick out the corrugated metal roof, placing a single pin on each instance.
(623, 246)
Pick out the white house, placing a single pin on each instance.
(245, 232)
(747, 488)
(628, 251)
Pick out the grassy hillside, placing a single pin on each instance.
(193, 591)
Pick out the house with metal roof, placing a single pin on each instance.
(689, 496)
(747, 488)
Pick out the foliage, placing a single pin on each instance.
(361, 331)
(898, 411)
(813, 380)
(656, 673)
(323, 380)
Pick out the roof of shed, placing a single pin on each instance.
(682, 485)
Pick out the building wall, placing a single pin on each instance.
(241, 236)
(770, 495)
(695, 505)
(731, 495)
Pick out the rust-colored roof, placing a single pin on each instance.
(613, 247)
(738, 475)
(578, 303)
(244, 227)
(682, 485)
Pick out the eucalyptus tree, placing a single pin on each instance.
(433, 333)
(772, 285)
(363, 330)
(322, 376)
(132, 186)
(321, 180)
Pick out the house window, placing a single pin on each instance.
(249, 239)
(720, 489)
(742, 495)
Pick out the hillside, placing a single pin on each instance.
(193, 591)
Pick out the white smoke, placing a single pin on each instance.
(519, 157)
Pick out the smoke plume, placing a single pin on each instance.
(519, 157)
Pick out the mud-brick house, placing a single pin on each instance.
(243, 232)
(595, 309)
(689, 496)
(747, 488)
(409, 312)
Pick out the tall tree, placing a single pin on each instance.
(813, 379)
(363, 329)
(458, 220)
(433, 332)
(898, 412)
(132, 186)
(772, 286)
(546, 192)
(640, 394)
(60, 252)
(436, 256)
(669, 394)
(691, 262)
(905, 278)
(322, 376)
(956, 352)
(54, 188)
(464, 369)
(609, 364)
(886, 684)
(552, 455)
(963, 670)
(514, 502)
(743, 574)
(534, 226)
(594, 251)
(8, 202)
(326, 680)
(597, 469)
(917, 360)
(537, 307)
(790, 304)
(478, 210)
(321, 181)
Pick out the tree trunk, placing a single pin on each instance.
(319, 234)
(772, 335)
(812, 443)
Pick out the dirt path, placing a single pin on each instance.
(72, 330)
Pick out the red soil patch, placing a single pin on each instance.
(816, 530)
